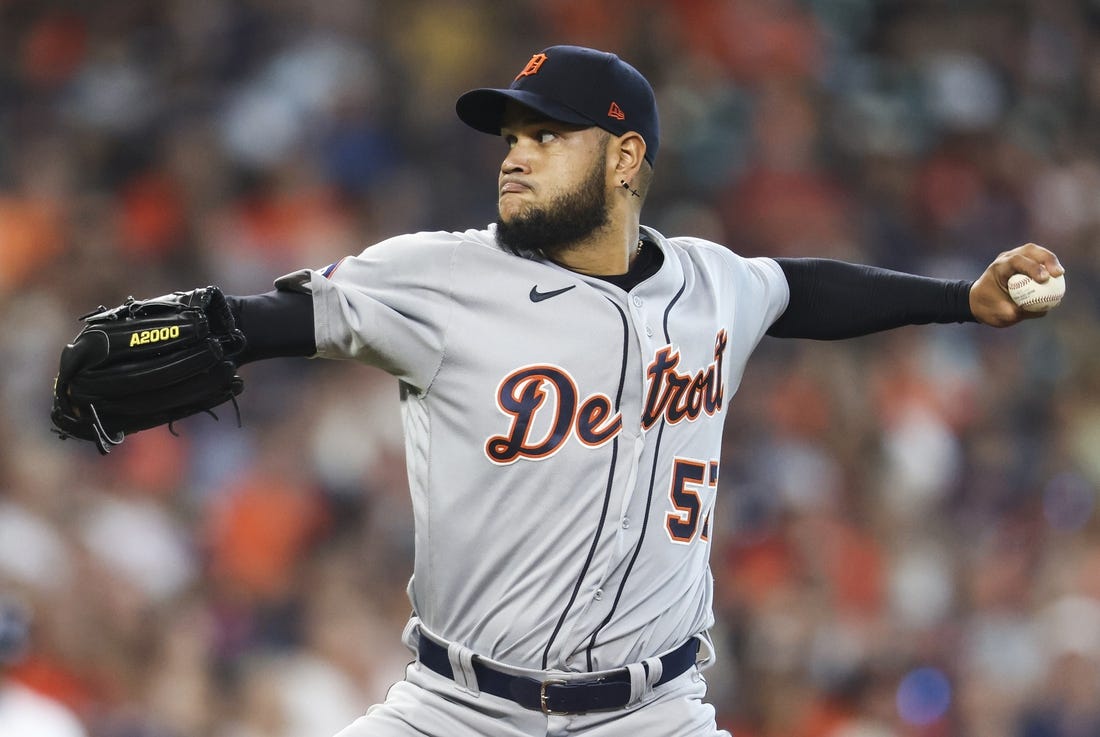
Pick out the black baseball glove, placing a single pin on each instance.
(146, 363)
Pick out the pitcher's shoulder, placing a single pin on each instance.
(692, 248)
(471, 238)
(426, 244)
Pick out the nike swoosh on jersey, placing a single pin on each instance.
(537, 296)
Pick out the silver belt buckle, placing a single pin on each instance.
(543, 699)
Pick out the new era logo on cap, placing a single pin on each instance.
(576, 85)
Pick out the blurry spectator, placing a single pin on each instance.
(23, 711)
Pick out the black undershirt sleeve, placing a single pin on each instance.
(832, 299)
(277, 324)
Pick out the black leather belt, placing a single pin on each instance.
(555, 695)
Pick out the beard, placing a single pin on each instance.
(568, 220)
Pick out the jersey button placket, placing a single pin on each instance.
(640, 318)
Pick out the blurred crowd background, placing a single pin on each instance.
(907, 542)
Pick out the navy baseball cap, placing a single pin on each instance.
(572, 84)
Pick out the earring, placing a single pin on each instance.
(626, 186)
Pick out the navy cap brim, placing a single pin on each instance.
(483, 109)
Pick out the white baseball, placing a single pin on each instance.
(1034, 296)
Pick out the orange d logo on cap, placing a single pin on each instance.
(533, 66)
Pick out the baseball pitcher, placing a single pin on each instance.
(565, 374)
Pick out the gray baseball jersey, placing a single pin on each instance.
(562, 435)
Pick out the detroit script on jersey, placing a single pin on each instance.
(562, 435)
(671, 395)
